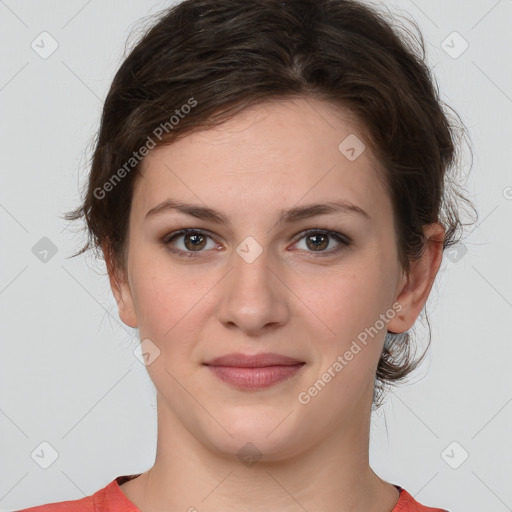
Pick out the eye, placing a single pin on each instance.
(189, 243)
(193, 241)
(318, 240)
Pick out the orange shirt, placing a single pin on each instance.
(112, 499)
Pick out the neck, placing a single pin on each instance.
(333, 475)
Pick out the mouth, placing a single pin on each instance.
(252, 372)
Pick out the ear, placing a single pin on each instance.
(414, 288)
(120, 289)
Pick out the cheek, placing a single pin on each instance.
(167, 298)
(348, 301)
(348, 350)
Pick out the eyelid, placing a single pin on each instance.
(187, 231)
(324, 231)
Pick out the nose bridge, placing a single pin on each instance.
(251, 264)
(253, 297)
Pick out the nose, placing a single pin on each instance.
(255, 297)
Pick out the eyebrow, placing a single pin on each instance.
(285, 216)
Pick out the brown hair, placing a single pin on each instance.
(203, 61)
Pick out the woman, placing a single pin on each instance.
(268, 190)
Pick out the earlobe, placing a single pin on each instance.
(414, 288)
(121, 291)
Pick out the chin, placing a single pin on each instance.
(256, 435)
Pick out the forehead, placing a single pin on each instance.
(274, 155)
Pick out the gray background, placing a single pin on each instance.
(68, 373)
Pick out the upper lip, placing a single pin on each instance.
(253, 361)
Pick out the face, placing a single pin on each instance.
(258, 274)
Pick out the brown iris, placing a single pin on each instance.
(197, 241)
(317, 244)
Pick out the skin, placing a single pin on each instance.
(291, 300)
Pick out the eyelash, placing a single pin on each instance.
(343, 240)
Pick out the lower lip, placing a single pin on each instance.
(255, 378)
